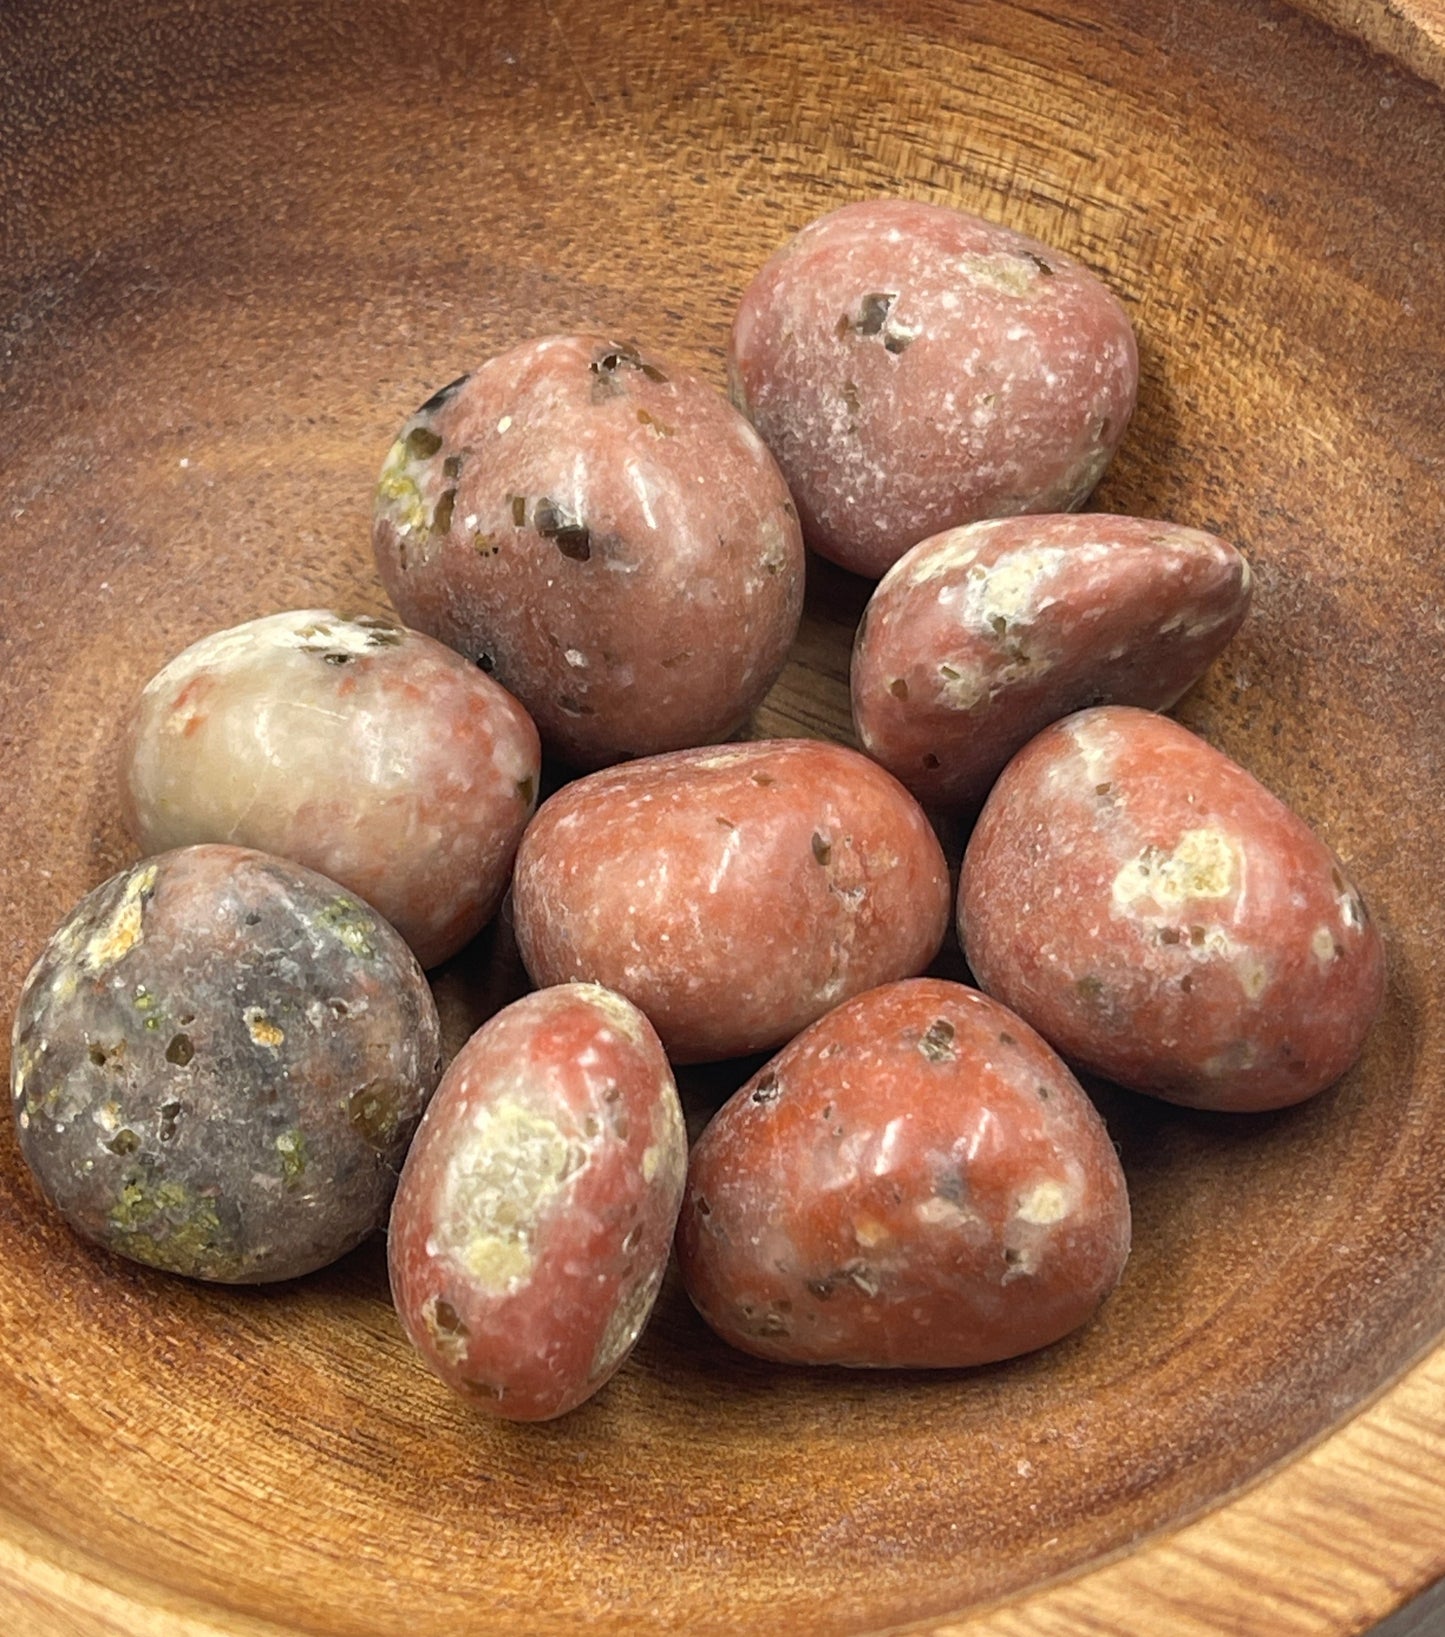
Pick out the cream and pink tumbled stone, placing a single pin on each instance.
(357, 747)
(535, 1212)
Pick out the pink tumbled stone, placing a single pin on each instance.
(606, 535)
(913, 368)
(735, 893)
(978, 638)
(1164, 920)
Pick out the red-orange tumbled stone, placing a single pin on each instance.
(916, 1180)
(735, 892)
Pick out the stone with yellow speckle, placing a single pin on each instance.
(218, 1063)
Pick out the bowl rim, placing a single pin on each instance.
(1357, 1517)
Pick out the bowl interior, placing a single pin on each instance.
(233, 257)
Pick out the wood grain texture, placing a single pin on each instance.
(1335, 1541)
(238, 244)
(1412, 31)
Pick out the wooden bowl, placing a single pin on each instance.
(237, 246)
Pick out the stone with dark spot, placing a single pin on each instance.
(976, 1209)
(987, 375)
(630, 514)
(979, 637)
(232, 1149)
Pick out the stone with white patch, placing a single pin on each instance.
(1164, 920)
(535, 1211)
(979, 637)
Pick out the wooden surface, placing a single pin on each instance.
(237, 246)
(1411, 31)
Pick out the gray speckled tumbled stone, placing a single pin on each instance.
(218, 1063)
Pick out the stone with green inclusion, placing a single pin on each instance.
(219, 1061)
